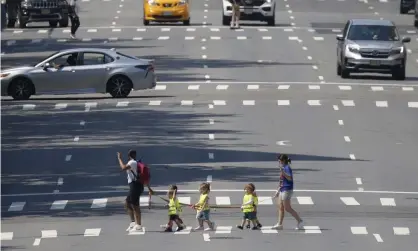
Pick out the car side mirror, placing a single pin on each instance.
(47, 66)
(406, 40)
(340, 38)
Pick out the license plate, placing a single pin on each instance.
(374, 62)
(45, 12)
(248, 11)
(167, 13)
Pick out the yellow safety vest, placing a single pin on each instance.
(202, 201)
(249, 207)
(174, 207)
(255, 199)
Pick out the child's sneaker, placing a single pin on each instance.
(132, 225)
(240, 227)
(136, 228)
(211, 227)
(300, 225)
(259, 225)
(169, 229)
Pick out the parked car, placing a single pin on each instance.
(82, 70)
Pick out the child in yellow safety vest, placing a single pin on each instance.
(203, 208)
(248, 208)
(255, 208)
(174, 210)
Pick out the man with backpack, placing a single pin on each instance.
(138, 175)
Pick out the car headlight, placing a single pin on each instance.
(182, 2)
(396, 51)
(353, 48)
(3, 75)
(152, 2)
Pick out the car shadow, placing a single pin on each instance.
(383, 78)
(75, 97)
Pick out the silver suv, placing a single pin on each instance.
(371, 46)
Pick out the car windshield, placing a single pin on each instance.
(53, 54)
(373, 33)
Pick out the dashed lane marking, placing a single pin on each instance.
(219, 102)
(6, 236)
(222, 87)
(314, 87)
(157, 102)
(401, 231)
(92, 232)
(388, 202)
(28, 107)
(163, 38)
(60, 181)
(269, 230)
(283, 87)
(122, 104)
(59, 204)
(36, 242)
(359, 181)
(223, 230)
(349, 201)
(187, 102)
(406, 88)
(314, 102)
(76, 139)
(340, 122)
(248, 102)
(16, 206)
(189, 38)
(266, 38)
(211, 136)
(359, 230)
(318, 38)
(413, 104)
(253, 87)
(206, 237)
(160, 87)
(193, 87)
(46, 234)
(60, 106)
(283, 102)
(347, 139)
(376, 88)
(305, 200)
(211, 156)
(347, 102)
(99, 203)
(345, 87)
(223, 201)
(381, 103)
(68, 157)
(312, 229)
(352, 157)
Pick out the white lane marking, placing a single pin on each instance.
(304, 48)
(92, 30)
(122, 104)
(203, 48)
(318, 38)
(378, 237)
(283, 87)
(347, 102)
(60, 106)
(165, 29)
(62, 40)
(241, 38)
(344, 87)
(309, 57)
(340, 122)
(248, 102)
(253, 87)
(358, 181)
(269, 230)
(215, 38)
(187, 102)
(204, 56)
(321, 78)
(82, 123)
(289, 11)
(211, 156)
(312, 230)
(90, 104)
(6, 236)
(116, 30)
(211, 121)
(381, 103)
(59, 205)
(28, 107)
(314, 67)
(401, 231)
(141, 232)
(214, 29)
(223, 230)
(411, 31)
(305, 200)
(376, 88)
(92, 232)
(314, 87)
(113, 39)
(188, 230)
(209, 179)
(413, 104)
(314, 102)
(266, 38)
(16, 206)
(205, 66)
(191, 29)
(184, 200)
(219, 102)
(163, 38)
(160, 87)
(86, 39)
(99, 203)
(223, 201)
(76, 139)
(207, 77)
(265, 200)
(283, 102)
(347, 139)
(49, 234)
(407, 88)
(17, 31)
(155, 102)
(349, 201)
(68, 157)
(335, 107)
(352, 157)
(189, 38)
(60, 181)
(359, 230)
(203, 40)
(288, 30)
(293, 38)
(206, 237)
(141, 29)
(222, 87)
(262, 29)
(193, 87)
(388, 202)
(36, 242)
(42, 31)
(211, 136)
(144, 201)
(336, 30)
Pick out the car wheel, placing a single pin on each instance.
(399, 73)
(186, 22)
(226, 20)
(11, 23)
(64, 21)
(146, 22)
(53, 24)
(345, 73)
(119, 86)
(416, 23)
(21, 88)
(271, 21)
(338, 69)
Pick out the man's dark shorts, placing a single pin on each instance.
(250, 216)
(135, 192)
(174, 217)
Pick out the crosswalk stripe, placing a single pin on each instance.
(377, 88)
(144, 201)
(219, 102)
(6, 236)
(269, 230)
(28, 107)
(359, 230)
(349, 201)
(223, 230)
(155, 102)
(160, 87)
(248, 102)
(223, 201)
(193, 87)
(312, 230)
(59, 204)
(347, 102)
(61, 106)
(16, 206)
(99, 203)
(49, 234)
(283, 87)
(305, 200)
(92, 232)
(388, 202)
(187, 102)
(314, 102)
(407, 88)
(283, 102)
(222, 87)
(345, 87)
(253, 87)
(122, 104)
(413, 104)
(185, 200)
(381, 103)
(401, 231)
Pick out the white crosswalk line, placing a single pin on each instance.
(99, 203)
(6, 236)
(193, 87)
(223, 230)
(223, 201)
(189, 38)
(160, 87)
(165, 29)
(211, 136)
(122, 104)
(377, 88)
(60, 106)
(248, 102)
(345, 87)
(314, 87)
(401, 231)
(185, 200)
(388, 202)
(413, 104)
(144, 201)
(219, 102)
(241, 38)
(381, 103)
(283, 102)
(265, 200)
(155, 102)
(222, 87)
(283, 87)
(253, 87)
(347, 102)
(92, 30)
(28, 107)
(92, 232)
(407, 88)
(187, 102)
(312, 230)
(349, 201)
(45, 234)
(359, 230)
(215, 38)
(163, 38)
(314, 102)
(59, 205)
(269, 230)
(90, 105)
(305, 200)
(137, 38)
(16, 206)
(266, 38)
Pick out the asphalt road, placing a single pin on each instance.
(226, 104)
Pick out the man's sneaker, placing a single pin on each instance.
(72, 36)
(198, 228)
(300, 225)
(240, 227)
(132, 225)
(169, 229)
(259, 225)
(179, 229)
(278, 227)
(136, 228)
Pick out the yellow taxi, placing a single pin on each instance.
(166, 11)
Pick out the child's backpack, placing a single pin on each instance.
(143, 173)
